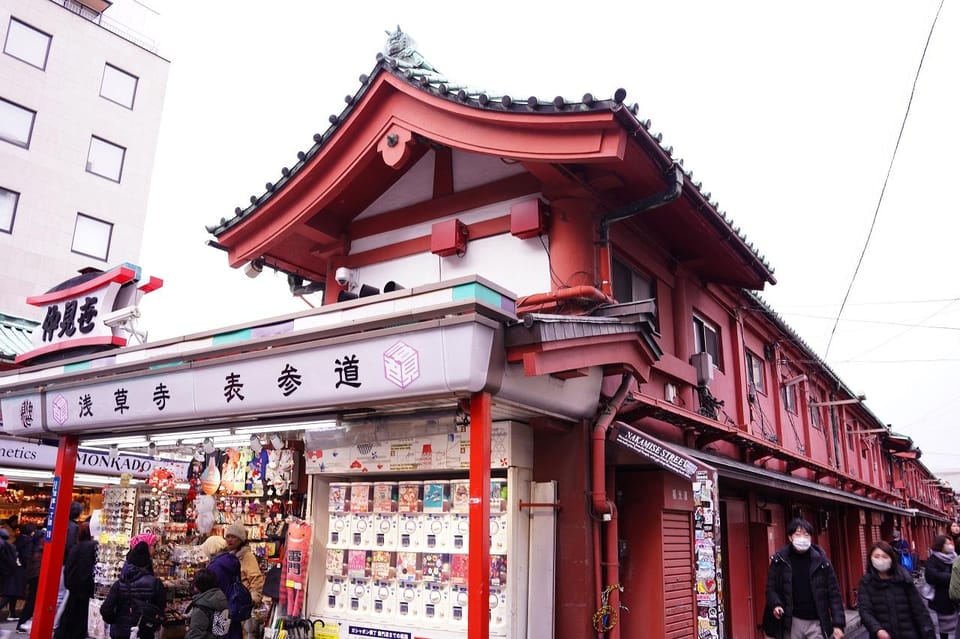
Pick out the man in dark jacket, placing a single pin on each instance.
(136, 599)
(78, 576)
(803, 596)
(73, 529)
(34, 559)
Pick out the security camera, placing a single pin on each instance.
(121, 316)
(345, 277)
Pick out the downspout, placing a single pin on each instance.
(603, 508)
(671, 193)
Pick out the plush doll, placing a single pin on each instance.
(206, 513)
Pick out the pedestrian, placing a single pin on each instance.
(78, 578)
(803, 596)
(250, 573)
(151, 540)
(136, 599)
(890, 606)
(206, 603)
(937, 573)
(73, 529)
(17, 589)
(226, 568)
(902, 546)
(11, 586)
(954, 532)
(34, 559)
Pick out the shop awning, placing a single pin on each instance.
(748, 474)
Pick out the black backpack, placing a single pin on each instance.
(239, 601)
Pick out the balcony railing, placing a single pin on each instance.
(113, 26)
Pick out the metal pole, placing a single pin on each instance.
(61, 496)
(478, 594)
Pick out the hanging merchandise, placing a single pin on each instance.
(296, 558)
(210, 479)
(162, 480)
(206, 513)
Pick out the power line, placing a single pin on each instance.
(886, 179)
(893, 302)
(879, 322)
(903, 332)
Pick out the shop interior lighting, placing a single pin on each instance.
(13, 473)
(164, 439)
(116, 439)
(323, 424)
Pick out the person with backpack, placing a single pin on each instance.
(209, 615)
(226, 568)
(137, 599)
(250, 574)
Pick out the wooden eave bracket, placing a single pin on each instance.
(396, 145)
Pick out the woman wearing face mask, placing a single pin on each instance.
(954, 533)
(937, 573)
(890, 606)
(803, 596)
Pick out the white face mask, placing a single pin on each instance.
(801, 544)
(882, 565)
(948, 549)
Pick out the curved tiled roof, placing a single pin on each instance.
(402, 60)
(15, 336)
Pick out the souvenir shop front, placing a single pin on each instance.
(26, 469)
(386, 396)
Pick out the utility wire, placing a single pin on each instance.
(886, 179)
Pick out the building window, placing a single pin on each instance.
(706, 338)
(755, 372)
(815, 419)
(16, 123)
(790, 397)
(105, 159)
(8, 209)
(91, 237)
(27, 44)
(118, 86)
(630, 286)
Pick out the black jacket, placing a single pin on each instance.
(137, 598)
(823, 582)
(893, 605)
(937, 574)
(78, 571)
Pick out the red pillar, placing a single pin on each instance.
(46, 605)
(478, 594)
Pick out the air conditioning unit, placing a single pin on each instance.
(703, 364)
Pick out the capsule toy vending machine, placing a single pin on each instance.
(335, 592)
(403, 567)
(383, 591)
(409, 592)
(339, 524)
(459, 563)
(410, 516)
(359, 586)
(460, 515)
(361, 515)
(436, 521)
(436, 588)
(385, 516)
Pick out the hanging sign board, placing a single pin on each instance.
(657, 452)
(26, 454)
(416, 363)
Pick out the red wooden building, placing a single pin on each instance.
(624, 268)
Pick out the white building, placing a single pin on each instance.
(80, 104)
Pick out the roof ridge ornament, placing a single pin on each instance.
(403, 48)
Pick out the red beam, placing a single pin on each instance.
(52, 564)
(478, 595)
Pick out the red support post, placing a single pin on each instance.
(478, 593)
(61, 497)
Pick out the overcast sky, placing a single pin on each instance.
(787, 112)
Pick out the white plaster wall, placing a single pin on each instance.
(50, 176)
(518, 265)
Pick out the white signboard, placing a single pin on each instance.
(430, 361)
(23, 454)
